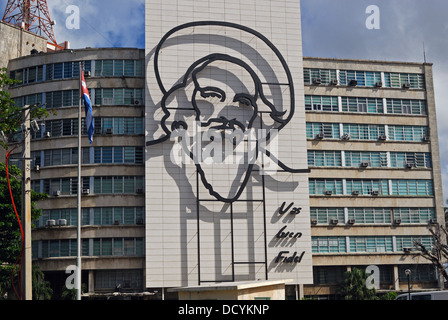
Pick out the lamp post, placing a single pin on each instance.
(408, 275)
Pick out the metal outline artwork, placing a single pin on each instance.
(199, 65)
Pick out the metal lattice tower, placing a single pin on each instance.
(31, 15)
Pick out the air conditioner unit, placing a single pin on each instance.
(313, 221)
(351, 221)
(345, 136)
(328, 192)
(409, 165)
(36, 167)
(140, 191)
(139, 221)
(364, 164)
(406, 85)
(317, 81)
(57, 193)
(51, 223)
(382, 137)
(379, 84)
(62, 222)
(397, 221)
(137, 102)
(433, 221)
(375, 192)
(47, 134)
(355, 192)
(116, 222)
(407, 249)
(334, 221)
(320, 136)
(426, 138)
(353, 83)
(109, 131)
(87, 73)
(85, 191)
(334, 82)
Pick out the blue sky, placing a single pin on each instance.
(330, 28)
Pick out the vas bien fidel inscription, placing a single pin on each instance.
(282, 255)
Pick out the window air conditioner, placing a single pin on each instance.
(57, 193)
(62, 222)
(328, 192)
(397, 221)
(406, 85)
(364, 164)
(355, 193)
(334, 221)
(320, 136)
(382, 137)
(375, 192)
(51, 223)
(317, 81)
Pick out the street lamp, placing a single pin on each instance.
(408, 274)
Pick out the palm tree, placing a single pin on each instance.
(41, 287)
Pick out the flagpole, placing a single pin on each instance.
(78, 256)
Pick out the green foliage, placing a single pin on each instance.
(11, 116)
(41, 287)
(389, 296)
(10, 235)
(354, 286)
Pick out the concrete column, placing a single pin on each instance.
(396, 279)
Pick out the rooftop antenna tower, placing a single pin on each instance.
(33, 16)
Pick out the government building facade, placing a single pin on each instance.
(222, 155)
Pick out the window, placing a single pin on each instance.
(412, 187)
(118, 96)
(406, 106)
(322, 76)
(370, 215)
(405, 159)
(327, 130)
(408, 80)
(321, 103)
(409, 242)
(371, 244)
(364, 131)
(359, 78)
(325, 215)
(324, 158)
(362, 105)
(118, 185)
(373, 159)
(367, 187)
(118, 246)
(325, 186)
(328, 244)
(414, 215)
(118, 68)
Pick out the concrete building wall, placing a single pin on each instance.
(16, 42)
(321, 230)
(189, 243)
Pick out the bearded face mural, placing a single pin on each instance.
(223, 111)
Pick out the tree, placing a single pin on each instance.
(41, 287)
(438, 252)
(354, 286)
(10, 235)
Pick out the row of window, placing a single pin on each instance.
(90, 247)
(393, 187)
(342, 244)
(69, 127)
(94, 216)
(365, 105)
(70, 70)
(90, 185)
(376, 159)
(90, 155)
(335, 274)
(70, 98)
(370, 79)
(317, 130)
(371, 215)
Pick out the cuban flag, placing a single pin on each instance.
(88, 107)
